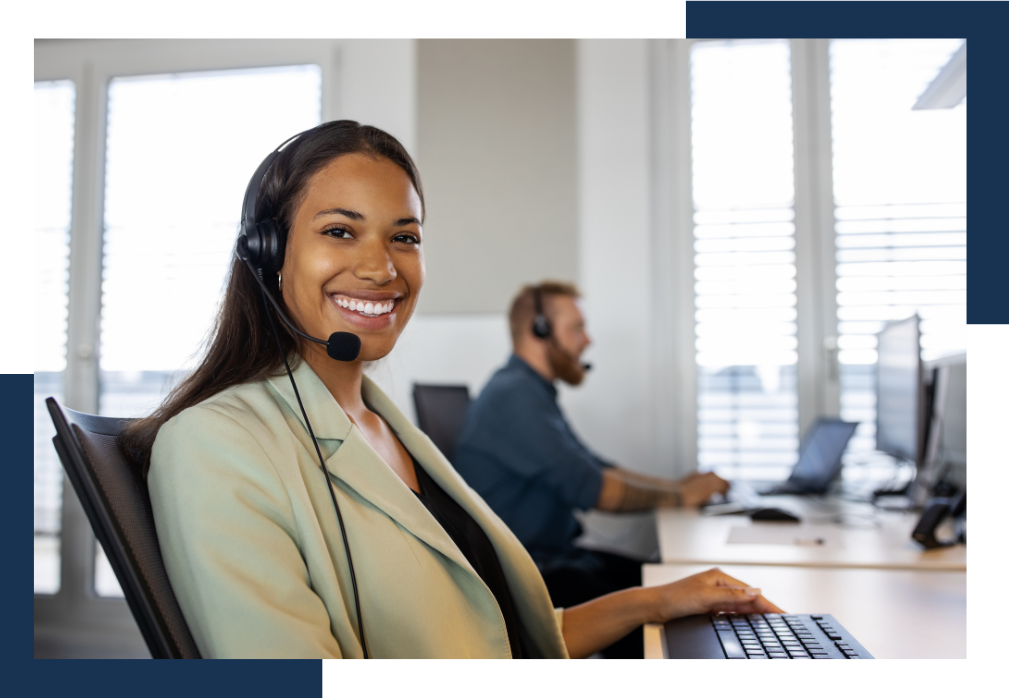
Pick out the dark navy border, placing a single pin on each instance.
(16, 460)
(24, 676)
(163, 678)
(983, 24)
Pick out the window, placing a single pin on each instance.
(54, 149)
(900, 192)
(897, 206)
(177, 164)
(745, 316)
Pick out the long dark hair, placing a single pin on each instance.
(241, 347)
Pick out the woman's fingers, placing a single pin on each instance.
(721, 578)
(719, 596)
(755, 602)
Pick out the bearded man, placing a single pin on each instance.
(519, 453)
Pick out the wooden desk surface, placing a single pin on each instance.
(893, 613)
(855, 535)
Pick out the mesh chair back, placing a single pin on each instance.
(113, 492)
(440, 413)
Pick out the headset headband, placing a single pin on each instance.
(252, 191)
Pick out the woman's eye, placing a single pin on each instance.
(337, 232)
(407, 238)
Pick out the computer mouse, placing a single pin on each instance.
(771, 514)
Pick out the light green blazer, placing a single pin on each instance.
(254, 552)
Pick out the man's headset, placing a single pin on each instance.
(541, 324)
(542, 328)
(260, 246)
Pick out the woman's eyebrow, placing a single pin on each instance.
(357, 216)
(352, 215)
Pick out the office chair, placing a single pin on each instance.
(114, 495)
(440, 413)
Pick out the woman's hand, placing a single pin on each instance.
(710, 591)
(592, 626)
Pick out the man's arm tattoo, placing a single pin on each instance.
(634, 498)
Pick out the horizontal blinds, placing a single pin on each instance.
(900, 194)
(53, 172)
(743, 190)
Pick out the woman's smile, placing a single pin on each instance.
(365, 310)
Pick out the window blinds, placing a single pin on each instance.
(54, 150)
(900, 192)
(743, 190)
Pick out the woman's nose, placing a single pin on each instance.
(374, 263)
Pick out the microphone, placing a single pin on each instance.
(341, 346)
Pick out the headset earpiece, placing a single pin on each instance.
(263, 244)
(541, 326)
(264, 241)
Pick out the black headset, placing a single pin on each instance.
(541, 324)
(263, 241)
(260, 246)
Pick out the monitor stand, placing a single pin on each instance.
(911, 496)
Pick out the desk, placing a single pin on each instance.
(893, 613)
(867, 538)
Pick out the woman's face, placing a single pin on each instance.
(354, 261)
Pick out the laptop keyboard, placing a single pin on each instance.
(784, 636)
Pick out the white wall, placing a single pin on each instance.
(497, 152)
(614, 249)
(613, 407)
(378, 86)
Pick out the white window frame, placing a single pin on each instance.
(674, 364)
(348, 69)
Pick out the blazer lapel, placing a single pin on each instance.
(352, 460)
(329, 422)
(361, 469)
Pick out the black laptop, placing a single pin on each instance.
(819, 459)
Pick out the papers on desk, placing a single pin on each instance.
(785, 534)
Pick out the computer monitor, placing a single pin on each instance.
(899, 394)
(946, 455)
(949, 421)
(953, 434)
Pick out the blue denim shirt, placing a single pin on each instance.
(519, 453)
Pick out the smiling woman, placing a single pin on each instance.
(299, 513)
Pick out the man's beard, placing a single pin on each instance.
(566, 367)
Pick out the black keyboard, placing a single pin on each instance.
(784, 636)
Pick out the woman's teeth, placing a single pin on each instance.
(368, 308)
